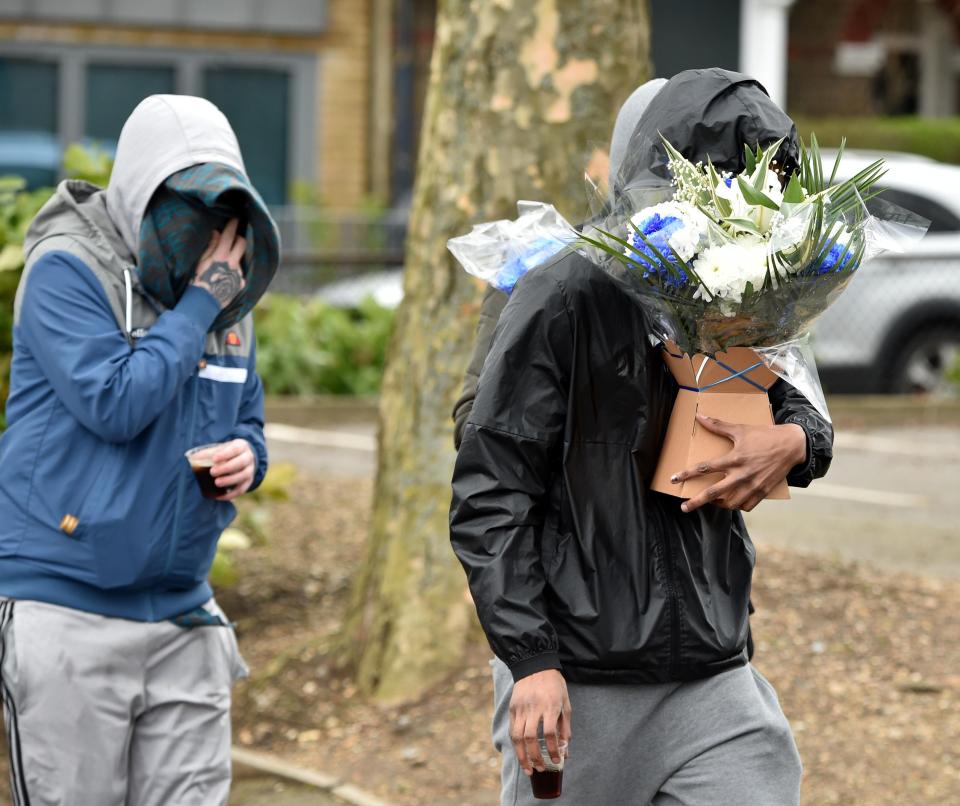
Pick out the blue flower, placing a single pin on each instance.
(832, 260)
(519, 263)
(657, 230)
(728, 181)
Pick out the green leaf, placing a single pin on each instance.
(744, 224)
(836, 162)
(635, 260)
(12, 184)
(759, 175)
(222, 574)
(749, 160)
(723, 206)
(691, 273)
(11, 257)
(793, 194)
(756, 197)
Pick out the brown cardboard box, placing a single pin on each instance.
(732, 387)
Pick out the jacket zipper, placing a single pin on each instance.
(178, 510)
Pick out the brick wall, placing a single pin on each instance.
(344, 103)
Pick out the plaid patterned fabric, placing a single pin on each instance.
(176, 229)
(199, 617)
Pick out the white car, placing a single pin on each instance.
(896, 328)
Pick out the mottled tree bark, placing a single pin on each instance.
(520, 92)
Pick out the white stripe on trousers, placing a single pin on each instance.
(18, 785)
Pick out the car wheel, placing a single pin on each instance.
(929, 363)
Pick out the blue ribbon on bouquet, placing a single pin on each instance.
(736, 374)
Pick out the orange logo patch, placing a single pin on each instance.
(233, 340)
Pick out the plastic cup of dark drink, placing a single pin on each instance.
(201, 463)
(548, 784)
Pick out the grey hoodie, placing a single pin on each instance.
(494, 300)
(164, 134)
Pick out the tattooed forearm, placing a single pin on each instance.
(221, 280)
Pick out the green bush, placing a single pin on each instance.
(308, 347)
(938, 138)
(18, 206)
(90, 164)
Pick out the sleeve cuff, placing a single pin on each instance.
(260, 472)
(801, 474)
(199, 306)
(538, 663)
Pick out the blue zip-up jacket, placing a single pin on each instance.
(99, 510)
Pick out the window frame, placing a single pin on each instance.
(279, 17)
(188, 65)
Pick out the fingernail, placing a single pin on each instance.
(683, 508)
(675, 478)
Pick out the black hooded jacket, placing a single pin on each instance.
(573, 563)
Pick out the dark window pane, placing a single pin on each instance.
(256, 102)
(114, 90)
(28, 125)
(682, 41)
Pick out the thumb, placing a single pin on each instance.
(721, 427)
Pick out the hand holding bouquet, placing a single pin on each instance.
(731, 270)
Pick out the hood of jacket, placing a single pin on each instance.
(627, 119)
(706, 114)
(164, 135)
(178, 173)
(78, 210)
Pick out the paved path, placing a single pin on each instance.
(272, 792)
(892, 497)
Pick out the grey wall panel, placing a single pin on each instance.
(146, 12)
(304, 17)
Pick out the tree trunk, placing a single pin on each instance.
(520, 91)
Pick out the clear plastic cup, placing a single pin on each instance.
(201, 463)
(548, 784)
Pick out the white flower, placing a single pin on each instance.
(762, 217)
(788, 233)
(771, 187)
(726, 269)
(678, 225)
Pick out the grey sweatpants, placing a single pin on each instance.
(722, 741)
(109, 712)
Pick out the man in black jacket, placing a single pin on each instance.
(593, 590)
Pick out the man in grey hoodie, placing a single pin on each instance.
(494, 299)
(133, 343)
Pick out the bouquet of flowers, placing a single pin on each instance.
(501, 252)
(751, 260)
(732, 270)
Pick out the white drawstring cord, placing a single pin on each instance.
(129, 283)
